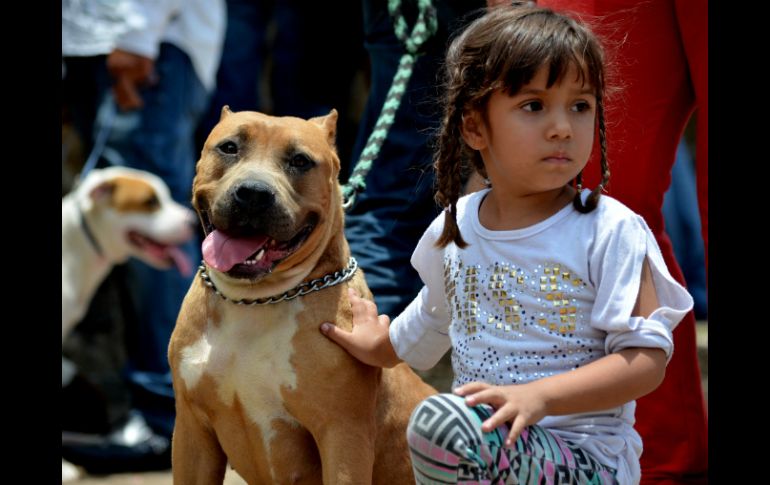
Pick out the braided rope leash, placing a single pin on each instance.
(425, 26)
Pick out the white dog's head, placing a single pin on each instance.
(131, 213)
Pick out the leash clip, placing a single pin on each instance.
(348, 202)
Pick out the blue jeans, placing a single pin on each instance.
(680, 211)
(313, 60)
(158, 138)
(240, 68)
(390, 215)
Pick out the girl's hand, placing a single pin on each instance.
(521, 404)
(369, 341)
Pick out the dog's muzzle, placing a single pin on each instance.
(253, 197)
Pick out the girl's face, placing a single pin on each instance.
(539, 139)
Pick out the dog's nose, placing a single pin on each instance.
(254, 196)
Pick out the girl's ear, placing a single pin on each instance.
(471, 130)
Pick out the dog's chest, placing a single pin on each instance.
(248, 355)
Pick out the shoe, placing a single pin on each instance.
(132, 447)
(69, 472)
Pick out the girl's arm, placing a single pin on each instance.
(603, 384)
(369, 341)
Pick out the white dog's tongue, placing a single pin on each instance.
(181, 260)
(223, 252)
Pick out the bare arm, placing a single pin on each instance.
(369, 341)
(603, 384)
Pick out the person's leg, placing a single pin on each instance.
(395, 208)
(85, 82)
(316, 54)
(693, 30)
(447, 446)
(241, 65)
(680, 210)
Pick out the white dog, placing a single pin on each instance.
(115, 213)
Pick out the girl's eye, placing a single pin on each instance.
(533, 106)
(228, 148)
(582, 106)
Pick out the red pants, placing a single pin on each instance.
(661, 69)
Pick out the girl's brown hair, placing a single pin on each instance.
(504, 50)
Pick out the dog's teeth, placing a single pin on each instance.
(259, 255)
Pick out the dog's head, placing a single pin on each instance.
(267, 194)
(131, 213)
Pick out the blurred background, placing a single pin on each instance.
(298, 58)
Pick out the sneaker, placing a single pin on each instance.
(69, 472)
(131, 447)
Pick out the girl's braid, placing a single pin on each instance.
(449, 168)
(593, 198)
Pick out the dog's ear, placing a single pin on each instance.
(103, 191)
(225, 112)
(328, 123)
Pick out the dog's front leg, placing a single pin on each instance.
(196, 457)
(345, 426)
(347, 453)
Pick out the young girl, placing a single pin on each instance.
(555, 302)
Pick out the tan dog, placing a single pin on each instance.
(259, 385)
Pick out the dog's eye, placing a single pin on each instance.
(228, 148)
(301, 161)
(152, 202)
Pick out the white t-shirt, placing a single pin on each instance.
(519, 305)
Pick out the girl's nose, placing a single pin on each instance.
(560, 127)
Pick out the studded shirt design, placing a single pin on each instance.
(512, 325)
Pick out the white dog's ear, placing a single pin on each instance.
(225, 112)
(103, 191)
(328, 123)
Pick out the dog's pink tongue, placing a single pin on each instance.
(222, 252)
(182, 262)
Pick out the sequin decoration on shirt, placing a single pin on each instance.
(513, 325)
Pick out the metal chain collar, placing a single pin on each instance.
(299, 290)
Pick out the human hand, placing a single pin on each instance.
(369, 340)
(521, 404)
(129, 71)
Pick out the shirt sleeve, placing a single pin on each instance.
(146, 41)
(616, 269)
(420, 334)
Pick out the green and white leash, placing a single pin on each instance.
(425, 26)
